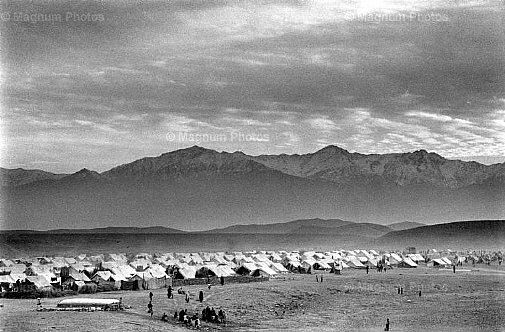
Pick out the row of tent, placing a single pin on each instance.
(144, 270)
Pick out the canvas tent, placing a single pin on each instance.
(407, 263)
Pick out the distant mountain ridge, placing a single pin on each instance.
(400, 226)
(463, 234)
(105, 230)
(206, 189)
(283, 227)
(331, 163)
(339, 165)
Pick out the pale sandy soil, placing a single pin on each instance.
(354, 301)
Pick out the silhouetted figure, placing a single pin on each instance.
(150, 308)
(317, 278)
(187, 297)
(164, 317)
(321, 278)
(367, 269)
(222, 281)
(169, 292)
(454, 269)
(181, 316)
(200, 296)
(150, 296)
(419, 293)
(387, 325)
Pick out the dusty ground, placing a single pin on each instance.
(354, 301)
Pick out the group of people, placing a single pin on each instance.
(210, 315)
(186, 319)
(382, 267)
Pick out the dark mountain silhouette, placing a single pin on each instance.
(18, 177)
(465, 234)
(104, 230)
(197, 188)
(420, 167)
(312, 225)
(362, 230)
(400, 226)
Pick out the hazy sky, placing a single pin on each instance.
(97, 84)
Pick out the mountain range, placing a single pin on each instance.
(198, 188)
(294, 235)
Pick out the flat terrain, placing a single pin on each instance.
(354, 301)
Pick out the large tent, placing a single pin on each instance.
(407, 262)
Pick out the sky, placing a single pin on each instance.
(96, 84)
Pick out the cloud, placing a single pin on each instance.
(322, 123)
(312, 68)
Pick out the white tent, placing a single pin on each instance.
(85, 302)
(407, 262)
(279, 268)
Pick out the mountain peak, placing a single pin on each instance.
(332, 149)
(83, 174)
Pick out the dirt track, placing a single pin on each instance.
(354, 301)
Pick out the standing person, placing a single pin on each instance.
(419, 293)
(150, 296)
(169, 292)
(317, 278)
(367, 269)
(222, 281)
(150, 308)
(187, 297)
(200, 296)
(321, 278)
(387, 325)
(453, 268)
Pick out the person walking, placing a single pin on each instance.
(200, 296)
(150, 308)
(387, 325)
(150, 296)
